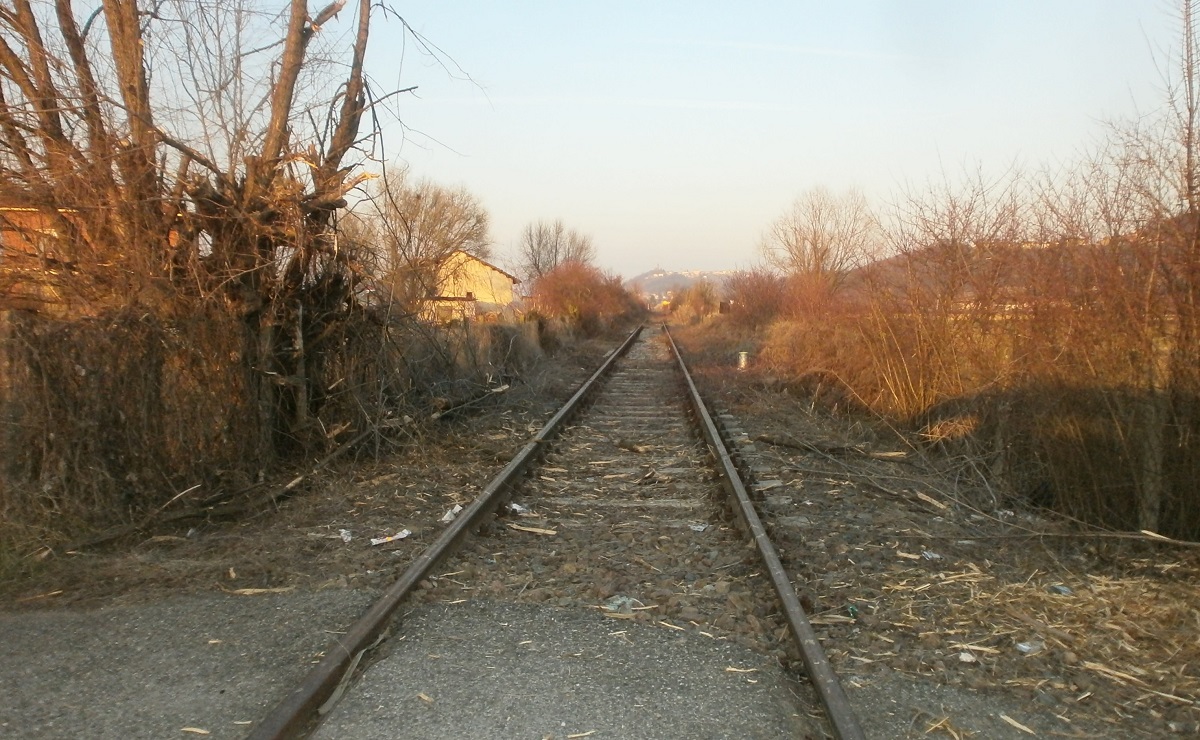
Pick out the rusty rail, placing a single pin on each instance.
(297, 710)
(824, 680)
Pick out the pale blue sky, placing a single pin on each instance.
(674, 133)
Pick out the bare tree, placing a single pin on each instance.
(412, 227)
(822, 236)
(424, 221)
(544, 246)
(194, 153)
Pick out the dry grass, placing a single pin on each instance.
(1063, 426)
(1134, 633)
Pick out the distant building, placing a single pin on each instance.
(30, 259)
(467, 287)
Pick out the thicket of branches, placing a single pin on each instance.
(178, 309)
(545, 245)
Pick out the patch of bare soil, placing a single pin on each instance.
(319, 537)
(918, 570)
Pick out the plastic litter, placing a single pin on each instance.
(450, 514)
(1059, 589)
(698, 527)
(345, 535)
(384, 540)
(517, 508)
(966, 657)
(622, 604)
(930, 555)
(1030, 647)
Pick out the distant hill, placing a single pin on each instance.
(661, 285)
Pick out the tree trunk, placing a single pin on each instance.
(263, 379)
(300, 376)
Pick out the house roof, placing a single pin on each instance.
(485, 263)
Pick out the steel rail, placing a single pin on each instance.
(824, 680)
(291, 716)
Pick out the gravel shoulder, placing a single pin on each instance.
(213, 663)
(484, 668)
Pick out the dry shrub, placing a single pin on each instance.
(809, 351)
(496, 351)
(582, 295)
(717, 342)
(756, 297)
(108, 417)
(825, 347)
(549, 333)
(1108, 389)
(1076, 392)
(392, 375)
(696, 302)
(104, 420)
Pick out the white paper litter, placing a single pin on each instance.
(384, 540)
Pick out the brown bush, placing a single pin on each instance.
(1065, 369)
(756, 297)
(717, 342)
(695, 302)
(583, 295)
(806, 351)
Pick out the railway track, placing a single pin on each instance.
(627, 501)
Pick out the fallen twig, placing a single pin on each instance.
(829, 449)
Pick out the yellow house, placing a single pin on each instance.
(468, 287)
